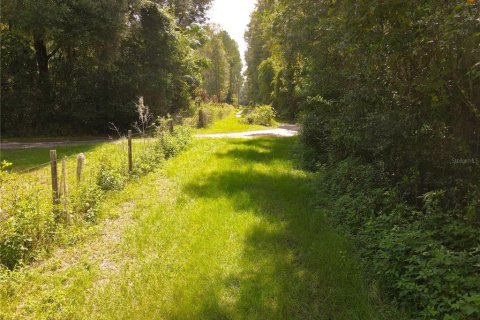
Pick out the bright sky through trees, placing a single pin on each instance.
(233, 16)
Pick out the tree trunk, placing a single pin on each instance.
(41, 55)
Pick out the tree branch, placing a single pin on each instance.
(53, 52)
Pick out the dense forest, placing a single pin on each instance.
(73, 67)
(389, 96)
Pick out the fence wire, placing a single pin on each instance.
(33, 186)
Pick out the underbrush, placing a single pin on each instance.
(261, 115)
(426, 255)
(30, 222)
(205, 114)
(397, 190)
(427, 258)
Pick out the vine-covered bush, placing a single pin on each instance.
(426, 257)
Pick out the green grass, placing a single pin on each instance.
(227, 230)
(27, 158)
(230, 124)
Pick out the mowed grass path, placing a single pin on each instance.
(228, 230)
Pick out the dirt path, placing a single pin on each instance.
(284, 130)
(47, 144)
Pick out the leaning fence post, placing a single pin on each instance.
(80, 164)
(53, 166)
(130, 159)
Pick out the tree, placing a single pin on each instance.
(235, 67)
(73, 66)
(222, 78)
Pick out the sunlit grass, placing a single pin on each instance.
(228, 230)
(231, 124)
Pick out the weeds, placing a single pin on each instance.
(30, 220)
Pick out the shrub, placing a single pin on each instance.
(426, 258)
(110, 178)
(174, 143)
(261, 115)
(85, 202)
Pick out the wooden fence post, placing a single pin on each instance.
(179, 120)
(53, 166)
(201, 118)
(80, 164)
(130, 158)
(170, 125)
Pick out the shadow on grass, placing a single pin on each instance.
(293, 266)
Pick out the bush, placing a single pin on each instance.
(27, 221)
(175, 142)
(261, 115)
(427, 259)
(85, 202)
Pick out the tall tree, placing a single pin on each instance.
(235, 67)
(222, 78)
(74, 66)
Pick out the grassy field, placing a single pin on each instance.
(230, 124)
(227, 230)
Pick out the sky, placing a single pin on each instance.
(233, 16)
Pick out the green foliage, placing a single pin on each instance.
(109, 178)
(389, 96)
(85, 201)
(222, 77)
(426, 259)
(27, 220)
(261, 115)
(72, 67)
(208, 113)
(31, 223)
(177, 141)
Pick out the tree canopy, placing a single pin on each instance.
(71, 67)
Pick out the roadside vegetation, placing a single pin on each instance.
(388, 93)
(227, 230)
(234, 123)
(31, 222)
